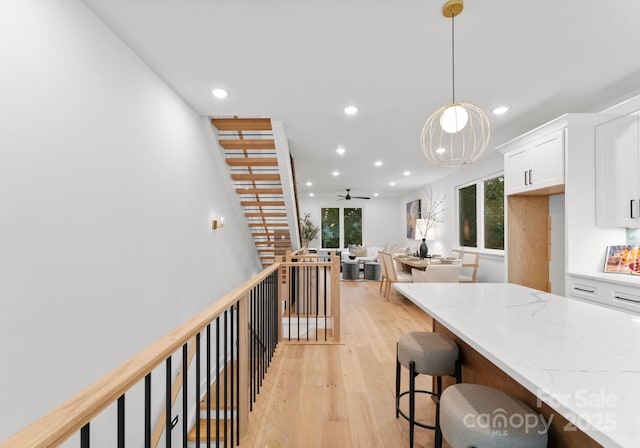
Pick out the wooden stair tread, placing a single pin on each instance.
(254, 161)
(212, 425)
(257, 177)
(262, 203)
(242, 124)
(265, 215)
(248, 144)
(258, 191)
(268, 224)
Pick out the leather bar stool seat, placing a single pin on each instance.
(473, 415)
(424, 353)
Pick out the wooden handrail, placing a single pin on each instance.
(68, 418)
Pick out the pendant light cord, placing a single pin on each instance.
(453, 60)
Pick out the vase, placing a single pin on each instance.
(424, 250)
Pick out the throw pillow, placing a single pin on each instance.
(360, 252)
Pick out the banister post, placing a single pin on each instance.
(335, 297)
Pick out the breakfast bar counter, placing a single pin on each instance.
(576, 363)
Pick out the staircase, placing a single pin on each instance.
(223, 413)
(264, 181)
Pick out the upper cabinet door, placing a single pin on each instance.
(617, 163)
(547, 161)
(516, 171)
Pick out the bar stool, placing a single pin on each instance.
(425, 353)
(476, 415)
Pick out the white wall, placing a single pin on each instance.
(491, 266)
(381, 222)
(108, 184)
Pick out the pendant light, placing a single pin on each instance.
(458, 133)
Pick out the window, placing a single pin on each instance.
(333, 234)
(481, 214)
(330, 228)
(352, 226)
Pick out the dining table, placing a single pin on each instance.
(408, 262)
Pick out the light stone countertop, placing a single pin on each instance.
(583, 360)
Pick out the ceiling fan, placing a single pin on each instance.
(348, 196)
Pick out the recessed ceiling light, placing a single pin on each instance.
(440, 150)
(393, 184)
(309, 184)
(375, 194)
(340, 150)
(378, 163)
(407, 173)
(220, 93)
(500, 110)
(335, 173)
(350, 110)
(311, 195)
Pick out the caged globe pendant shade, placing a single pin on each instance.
(458, 133)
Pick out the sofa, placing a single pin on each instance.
(366, 253)
(363, 253)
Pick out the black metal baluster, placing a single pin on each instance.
(317, 297)
(238, 405)
(233, 345)
(226, 365)
(289, 280)
(167, 404)
(121, 421)
(308, 297)
(198, 362)
(251, 351)
(277, 307)
(208, 362)
(85, 441)
(185, 396)
(260, 339)
(217, 380)
(262, 329)
(297, 304)
(326, 271)
(147, 411)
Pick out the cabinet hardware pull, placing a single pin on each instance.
(631, 208)
(525, 178)
(584, 290)
(626, 299)
(530, 177)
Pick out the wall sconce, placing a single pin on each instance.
(217, 224)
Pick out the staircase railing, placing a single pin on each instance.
(232, 344)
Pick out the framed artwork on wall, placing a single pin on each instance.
(413, 213)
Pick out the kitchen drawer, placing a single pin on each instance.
(583, 288)
(625, 297)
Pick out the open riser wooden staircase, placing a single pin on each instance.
(257, 171)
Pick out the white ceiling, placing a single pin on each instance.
(302, 62)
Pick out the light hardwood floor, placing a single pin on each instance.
(343, 395)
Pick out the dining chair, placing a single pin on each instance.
(437, 273)
(393, 275)
(470, 267)
(384, 277)
(457, 254)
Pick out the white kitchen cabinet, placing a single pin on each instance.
(538, 164)
(625, 297)
(588, 289)
(617, 168)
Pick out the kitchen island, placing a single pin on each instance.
(576, 363)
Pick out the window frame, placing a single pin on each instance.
(341, 223)
(480, 206)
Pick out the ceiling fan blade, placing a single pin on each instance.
(360, 197)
